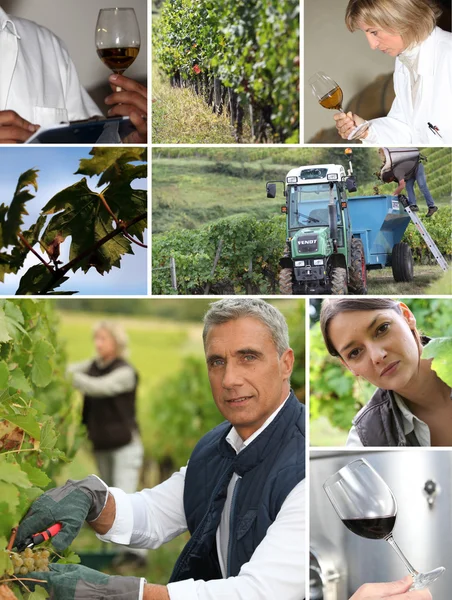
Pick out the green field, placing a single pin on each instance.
(192, 187)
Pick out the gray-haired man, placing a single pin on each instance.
(241, 495)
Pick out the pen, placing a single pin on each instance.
(434, 129)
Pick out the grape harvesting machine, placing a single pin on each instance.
(333, 240)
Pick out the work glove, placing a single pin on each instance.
(70, 505)
(76, 582)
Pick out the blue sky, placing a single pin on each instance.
(56, 171)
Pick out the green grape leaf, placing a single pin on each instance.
(4, 335)
(36, 476)
(5, 561)
(19, 381)
(87, 221)
(7, 520)
(36, 279)
(9, 494)
(39, 593)
(11, 220)
(48, 436)
(26, 422)
(440, 349)
(41, 371)
(12, 473)
(14, 321)
(69, 558)
(17, 590)
(110, 162)
(4, 374)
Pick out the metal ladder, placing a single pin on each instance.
(424, 233)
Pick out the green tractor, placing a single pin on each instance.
(321, 255)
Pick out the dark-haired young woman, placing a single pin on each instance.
(377, 339)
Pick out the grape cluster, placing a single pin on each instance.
(29, 561)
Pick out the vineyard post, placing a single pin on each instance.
(214, 266)
(173, 273)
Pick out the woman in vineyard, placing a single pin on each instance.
(377, 339)
(109, 385)
(407, 30)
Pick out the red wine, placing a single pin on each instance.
(374, 529)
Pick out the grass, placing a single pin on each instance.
(322, 433)
(187, 193)
(382, 281)
(442, 286)
(181, 117)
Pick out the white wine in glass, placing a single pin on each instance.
(330, 95)
(366, 505)
(117, 38)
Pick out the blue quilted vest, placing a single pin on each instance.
(270, 467)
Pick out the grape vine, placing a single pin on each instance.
(102, 226)
(236, 55)
(39, 430)
(248, 260)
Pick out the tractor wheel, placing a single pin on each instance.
(285, 282)
(402, 262)
(357, 272)
(339, 281)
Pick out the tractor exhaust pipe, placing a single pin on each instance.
(332, 217)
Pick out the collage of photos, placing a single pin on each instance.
(226, 312)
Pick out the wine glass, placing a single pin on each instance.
(117, 38)
(329, 94)
(367, 506)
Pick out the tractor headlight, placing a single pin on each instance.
(292, 179)
(318, 262)
(299, 263)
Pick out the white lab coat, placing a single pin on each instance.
(38, 79)
(407, 124)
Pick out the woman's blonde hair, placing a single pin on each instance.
(413, 20)
(117, 333)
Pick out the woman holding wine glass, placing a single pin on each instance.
(406, 30)
(377, 339)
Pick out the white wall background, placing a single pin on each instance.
(74, 22)
(346, 57)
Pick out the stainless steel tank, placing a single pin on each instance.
(421, 482)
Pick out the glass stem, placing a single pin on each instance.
(400, 554)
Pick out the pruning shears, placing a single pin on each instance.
(38, 538)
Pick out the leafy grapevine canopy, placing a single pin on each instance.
(251, 47)
(102, 225)
(33, 386)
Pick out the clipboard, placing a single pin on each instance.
(84, 132)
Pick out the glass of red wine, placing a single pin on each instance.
(367, 506)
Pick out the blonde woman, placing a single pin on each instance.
(109, 385)
(377, 339)
(406, 29)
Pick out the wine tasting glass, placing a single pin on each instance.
(367, 506)
(117, 38)
(329, 94)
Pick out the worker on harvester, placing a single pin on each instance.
(404, 166)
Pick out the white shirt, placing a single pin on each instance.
(149, 518)
(428, 102)
(38, 80)
(409, 421)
